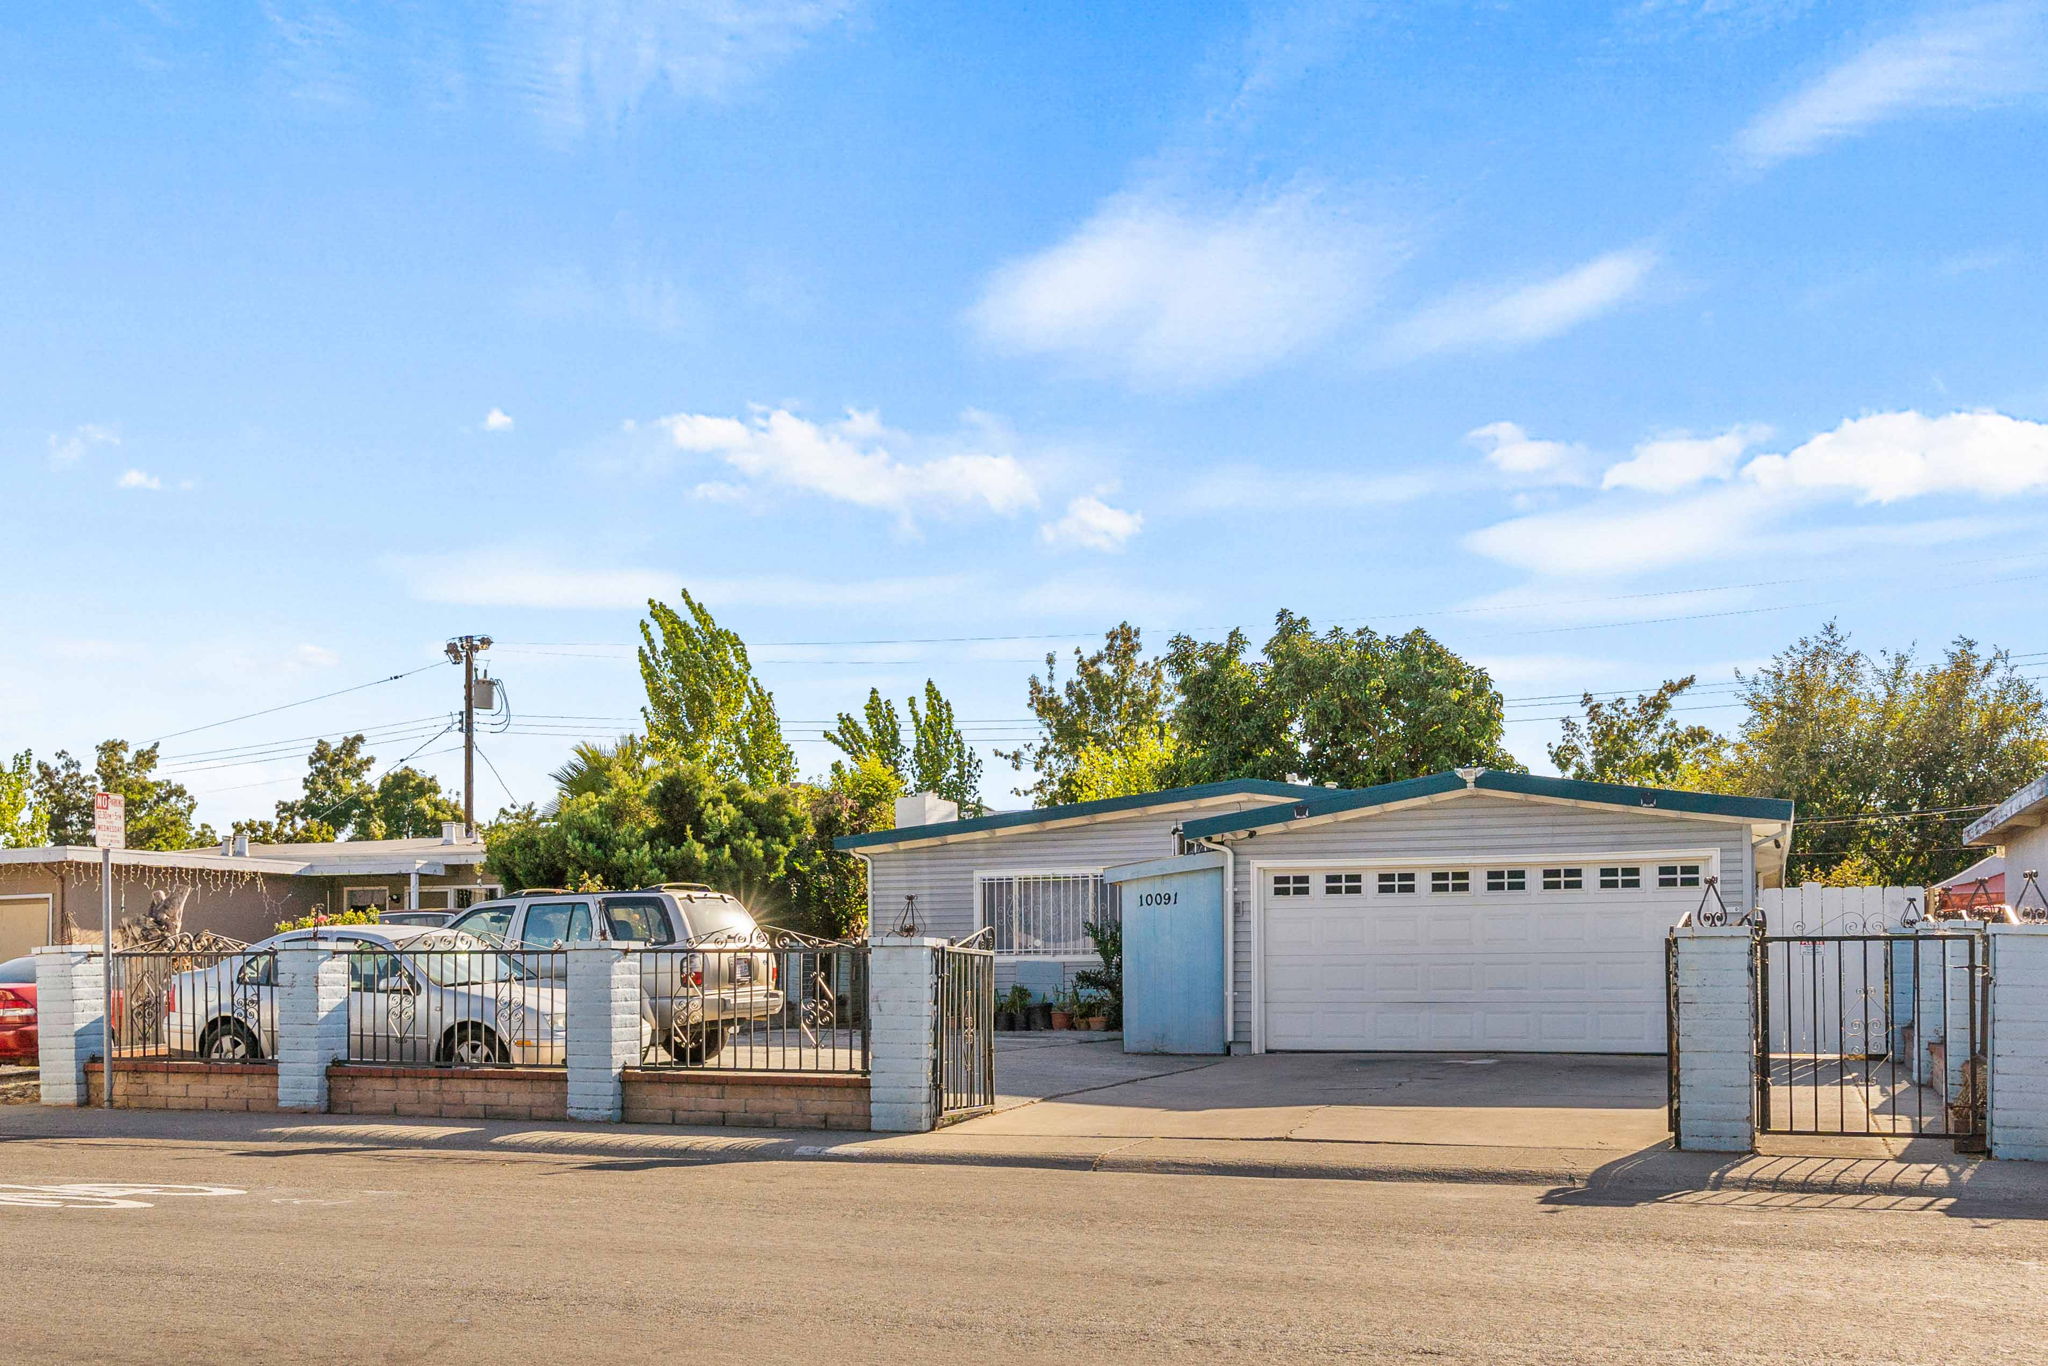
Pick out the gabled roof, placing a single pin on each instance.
(1076, 811)
(1666, 801)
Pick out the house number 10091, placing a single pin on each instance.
(1159, 898)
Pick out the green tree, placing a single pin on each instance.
(159, 811)
(704, 706)
(875, 734)
(64, 791)
(1634, 742)
(1864, 745)
(1115, 698)
(1145, 764)
(409, 804)
(829, 890)
(1354, 708)
(24, 823)
(941, 760)
(336, 794)
(596, 767)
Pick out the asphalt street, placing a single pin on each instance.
(308, 1254)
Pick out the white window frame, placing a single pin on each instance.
(1504, 869)
(1413, 888)
(1619, 874)
(385, 905)
(1010, 874)
(1450, 875)
(1256, 872)
(1294, 891)
(1678, 881)
(1359, 890)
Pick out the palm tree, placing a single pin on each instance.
(595, 767)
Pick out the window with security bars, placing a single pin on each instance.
(1620, 879)
(1678, 875)
(1563, 879)
(1290, 884)
(1455, 881)
(1046, 914)
(1343, 884)
(1507, 879)
(1396, 884)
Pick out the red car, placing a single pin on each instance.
(18, 1010)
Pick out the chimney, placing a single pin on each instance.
(451, 832)
(925, 808)
(241, 847)
(227, 846)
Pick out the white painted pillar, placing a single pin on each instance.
(902, 1034)
(1716, 1039)
(312, 1022)
(1944, 1003)
(603, 1033)
(70, 1019)
(2017, 1053)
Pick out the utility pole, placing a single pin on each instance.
(463, 650)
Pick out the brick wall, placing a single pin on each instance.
(761, 1100)
(188, 1086)
(447, 1092)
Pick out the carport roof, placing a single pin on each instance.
(1665, 800)
(1048, 815)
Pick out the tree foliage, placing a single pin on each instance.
(337, 801)
(829, 895)
(1114, 699)
(1354, 708)
(876, 734)
(1845, 734)
(937, 757)
(1145, 764)
(159, 810)
(705, 708)
(24, 823)
(1637, 742)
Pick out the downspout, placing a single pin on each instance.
(1229, 937)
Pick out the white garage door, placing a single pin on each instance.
(1555, 957)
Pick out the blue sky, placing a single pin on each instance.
(1609, 342)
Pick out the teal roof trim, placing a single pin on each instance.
(1490, 780)
(1106, 806)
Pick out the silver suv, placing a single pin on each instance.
(714, 967)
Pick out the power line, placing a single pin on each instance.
(303, 702)
(495, 774)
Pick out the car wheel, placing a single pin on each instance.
(693, 1047)
(473, 1046)
(229, 1041)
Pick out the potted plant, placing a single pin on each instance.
(1106, 983)
(1063, 1010)
(1013, 1008)
(1089, 1011)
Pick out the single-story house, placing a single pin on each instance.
(1473, 909)
(1980, 884)
(2017, 828)
(238, 889)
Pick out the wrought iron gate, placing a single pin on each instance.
(963, 1060)
(1876, 1035)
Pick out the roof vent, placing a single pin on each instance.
(451, 832)
(1470, 775)
(241, 846)
(1649, 799)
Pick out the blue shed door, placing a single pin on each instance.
(1173, 963)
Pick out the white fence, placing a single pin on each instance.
(1814, 909)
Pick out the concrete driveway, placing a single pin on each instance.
(1521, 1100)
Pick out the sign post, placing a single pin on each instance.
(109, 832)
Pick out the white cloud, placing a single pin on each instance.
(1892, 456)
(1093, 524)
(580, 62)
(68, 448)
(1671, 463)
(1256, 488)
(1169, 295)
(1526, 460)
(1520, 314)
(491, 578)
(309, 656)
(497, 420)
(1963, 59)
(136, 479)
(1602, 538)
(851, 461)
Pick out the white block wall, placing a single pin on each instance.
(1944, 1006)
(902, 1005)
(2018, 1047)
(603, 1032)
(1716, 1040)
(70, 1019)
(312, 1022)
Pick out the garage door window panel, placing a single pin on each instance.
(1290, 884)
(1046, 915)
(1450, 882)
(1620, 878)
(1343, 884)
(1678, 875)
(1396, 884)
(1564, 879)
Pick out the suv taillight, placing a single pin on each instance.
(170, 997)
(774, 972)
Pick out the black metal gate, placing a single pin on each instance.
(964, 1060)
(1873, 1035)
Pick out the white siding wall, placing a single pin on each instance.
(2026, 849)
(1473, 829)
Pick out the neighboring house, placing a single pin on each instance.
(1467, 910)
(2018, 829)
(1982, 884)
(239, 889)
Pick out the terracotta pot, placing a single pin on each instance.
(1096, 1022)
(1062, 1020)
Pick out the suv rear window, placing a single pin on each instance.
(708, 917)
(644, 918)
